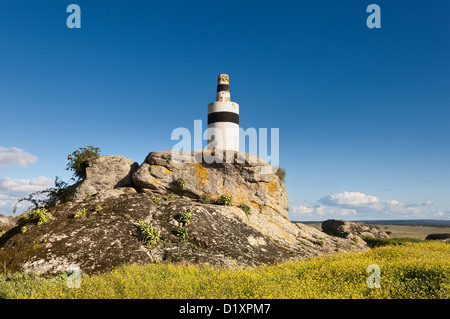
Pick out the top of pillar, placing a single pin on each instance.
(223, 79)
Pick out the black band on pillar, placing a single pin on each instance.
(223, 117)
(223, 87)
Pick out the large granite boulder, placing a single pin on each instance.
(248, 178)
(105, 173)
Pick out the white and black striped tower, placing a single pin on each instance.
(223, 115)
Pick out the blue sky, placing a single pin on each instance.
(363, 113)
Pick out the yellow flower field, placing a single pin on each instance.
(410, 270)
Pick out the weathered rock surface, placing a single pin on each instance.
(445, 237)
(227, 236)
(105, 173)
(248, 178)
(6, 222)
(345, 228)
(217, 235)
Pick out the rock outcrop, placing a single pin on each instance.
(248, 178)
(6, 223)
(105, 173)
(351, 229)
(107, 234)
(444, 237)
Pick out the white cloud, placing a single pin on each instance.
(302, 210)
(357, 205)
(347, 212)
(438, 213)
(367, 203)
(12, 189)
(15, 157)
(426, 203)
(21, 186)
(351, 200)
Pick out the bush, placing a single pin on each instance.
(77, 160)
(245, 208)
(41, 215)
(185, 218)
(98, 208)
(183, 232)
(226, 200)
(157, 201)
(205, 200)
(281, 173)
(150, 236)
(169, 197)
(181, 183)
(81, 213)
(46, 198)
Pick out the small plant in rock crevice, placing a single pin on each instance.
(185, 218)
(81, 213)
(98, 208)
(226, 200)
(183, 232)
(150, 235)
(245, 208)
(41, 215)
(169, 197)
(205, 200)
(181, 183)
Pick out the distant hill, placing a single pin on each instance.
(411, 222)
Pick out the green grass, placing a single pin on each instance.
(408, 270)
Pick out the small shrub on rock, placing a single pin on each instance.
(181, 183)
(226, 200)
(41, 215)
(156, 200)
(98, 208)
(281, 173)
(185, 218)
(205, 200)
(169, 197)
(150, 236)
(245, 208)
(77, 160)
(183, 232)
(81, 213)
